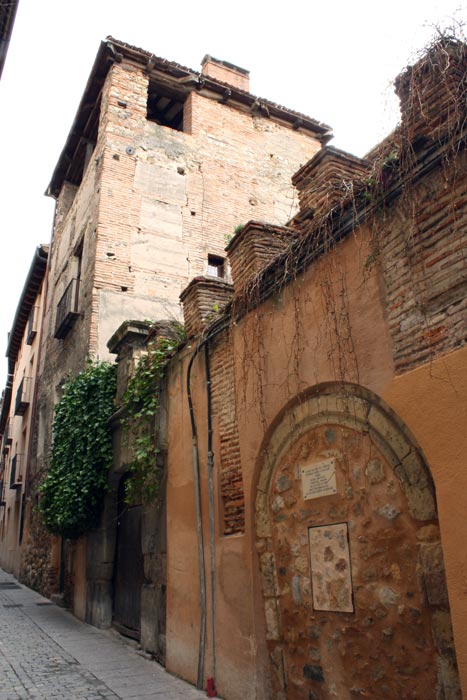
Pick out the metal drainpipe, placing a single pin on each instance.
(202, 576)
(199, 531)
(212, 545)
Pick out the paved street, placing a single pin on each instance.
(45, 653)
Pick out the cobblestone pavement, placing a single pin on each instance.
(46, 653)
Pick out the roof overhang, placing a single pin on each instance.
(7, 19)
(30, 291)
(29, 294)
(183, 80)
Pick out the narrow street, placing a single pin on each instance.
(46, 653)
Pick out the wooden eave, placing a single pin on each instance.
(7, 20)
(5, 405)
(71, 155)
(27, 300)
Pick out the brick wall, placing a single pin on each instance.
(425, 271)
(326, 178)
(176, 197)
(424, 243)
(203, 301)
(153, 202)
(229, 466)
(254, 247)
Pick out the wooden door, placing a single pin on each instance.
(129, 570)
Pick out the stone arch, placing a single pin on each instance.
(364, 612)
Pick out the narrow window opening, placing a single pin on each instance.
(164, 108)
(216, 266)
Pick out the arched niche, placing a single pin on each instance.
(350, 557)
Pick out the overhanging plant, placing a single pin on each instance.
(141, 402)
(71, 496)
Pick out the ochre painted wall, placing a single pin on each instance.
(329, 326)
(432, 401)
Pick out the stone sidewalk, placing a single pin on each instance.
(46, 653)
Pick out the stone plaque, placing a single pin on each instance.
(331, 580)
(319, 479)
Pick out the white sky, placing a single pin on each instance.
(332, 61)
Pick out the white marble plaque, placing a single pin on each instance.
(319, 479)
(331, 579)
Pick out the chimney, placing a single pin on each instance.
(253, 247)
(203, 301)
(324, 180)
(226, 72)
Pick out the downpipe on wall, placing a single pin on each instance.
(212, 544)
(199, 533)
(199, 528)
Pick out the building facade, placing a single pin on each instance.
(327, 407)
(17, 411)
(161, 164)
(311, 428)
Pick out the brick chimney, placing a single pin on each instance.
(324, 180)
(253, 247)
(226, 72)
(203, 301)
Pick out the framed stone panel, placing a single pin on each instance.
(331, 579)
(319, 479)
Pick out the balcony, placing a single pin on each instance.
(32, 325)
(16, 471)
(7, 439)
(2, 493)
(67, 310)
(23, 396)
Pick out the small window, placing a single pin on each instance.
(165, 108)
(215, 266)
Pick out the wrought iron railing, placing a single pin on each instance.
(16, 471)
(67, 309)
(32, 325)
(23, 396)
(7, 437)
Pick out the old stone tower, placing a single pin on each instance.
(160, 166)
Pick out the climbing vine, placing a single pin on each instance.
(140, 405)
(379, 202)
(71, 495)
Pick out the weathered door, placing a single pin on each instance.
(129, 573)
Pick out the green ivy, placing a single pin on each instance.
(73, 490)
(141, 403)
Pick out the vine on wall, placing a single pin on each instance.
(71, 496)
(141, 403)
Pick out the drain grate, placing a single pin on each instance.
(8, 585)
(46, 603)
(13, 605)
